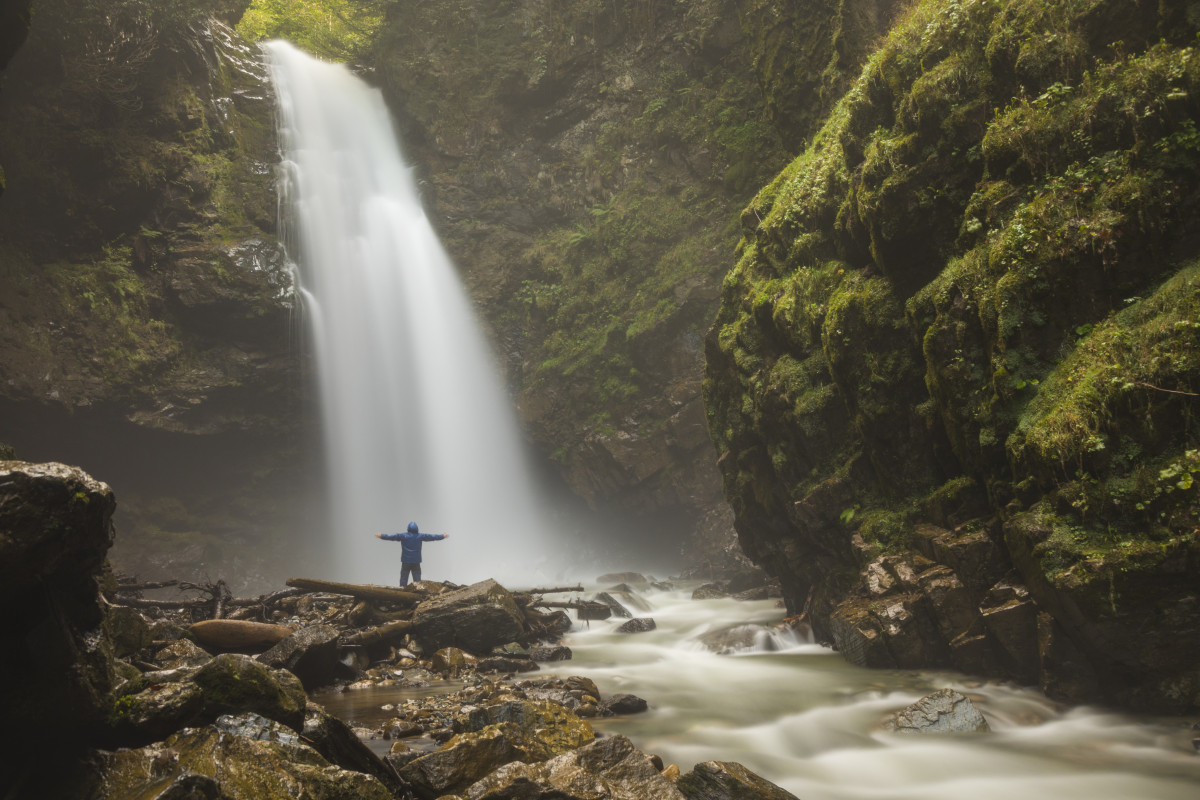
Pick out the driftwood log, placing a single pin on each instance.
(587, 609)
(363, 591)
(381, 633)
(237, 634)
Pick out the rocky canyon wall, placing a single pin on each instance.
(953, 380)
(146, 310)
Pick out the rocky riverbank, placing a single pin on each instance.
(112, 694)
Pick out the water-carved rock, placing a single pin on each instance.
(728, 780)
(944, 711)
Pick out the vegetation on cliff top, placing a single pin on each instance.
(337, 30)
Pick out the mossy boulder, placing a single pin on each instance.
(210, 762)
(232, 682)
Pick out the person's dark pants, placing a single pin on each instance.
(407, 569)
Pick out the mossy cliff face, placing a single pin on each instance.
(584, 163)
(145, 303)
(953, 381)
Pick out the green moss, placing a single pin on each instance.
(1142, 359)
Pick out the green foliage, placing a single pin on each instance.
(338, 30)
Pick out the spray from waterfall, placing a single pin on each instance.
(417, 424)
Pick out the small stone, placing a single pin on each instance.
(944, 711)
(638, 625)
(625, 704)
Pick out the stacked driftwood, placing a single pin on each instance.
(367, 614)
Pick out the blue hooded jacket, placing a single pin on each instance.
(410, 542)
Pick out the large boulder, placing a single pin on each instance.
(335, 740)
(233, 683)
(728, 780)
(242, 760)
(227, 684)
(311, 654)
(550, 723)
(55, 529)
(470, 756)
(489, 737)
(475, 618)
(609, 767)
(944, 711)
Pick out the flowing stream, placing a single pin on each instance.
(799, 715)
(416, 420)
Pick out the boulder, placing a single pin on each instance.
(233, 683)
(127, 631)
(608, 768)
(449, 661)
(632, 578)
(55, 529)
(612, 602)
(624, 704)
(467, 757)
(154, 713)
(728, 780)
(944, 711)
(227, 684)
(551, 724)
(710, 591)
(475, 618)
(733, 639)
(637, 625)
(242, 761)
(557, 653)
(336, 742)
(311, 654)
(182, 653)
(506, 664)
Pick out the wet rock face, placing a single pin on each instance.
(55, 529)
(167, 293)
(944, 711)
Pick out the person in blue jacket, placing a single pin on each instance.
(410, 554)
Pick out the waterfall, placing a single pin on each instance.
(417, 424)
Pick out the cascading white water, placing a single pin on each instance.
(799, 715)
(417, 424)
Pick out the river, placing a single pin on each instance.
(796, 713)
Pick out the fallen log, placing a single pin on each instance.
(381, 633)
(137, 587)
(587, 609)
(554, 590)
(365, 591)
(237, 634)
